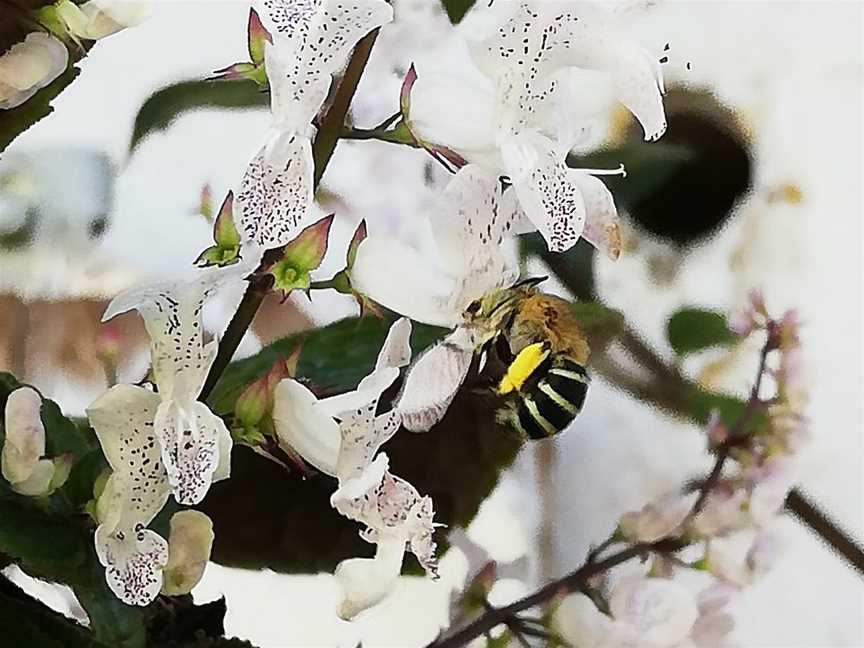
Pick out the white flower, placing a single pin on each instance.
(194, 443)
(659, 612)
(189, 546)
(474, 219)
(730, 563)
(341, 436)
(645, 613)
(771, 485)
(528, 50)
(24, 446)
(723, 512)
(580, 622)
(97, 19)
(658, 519)
(715, 623)
(309, 427)
(312, 40)
(29, 66)
(396, 518)
(158, 443)
(136, 491)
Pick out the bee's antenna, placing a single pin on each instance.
(530, 282)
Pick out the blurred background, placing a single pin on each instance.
(768, 94)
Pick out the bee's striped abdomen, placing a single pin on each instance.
(553, 401)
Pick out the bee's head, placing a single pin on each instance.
(493, 308)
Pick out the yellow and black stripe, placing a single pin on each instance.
(550, 402)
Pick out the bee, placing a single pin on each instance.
(537, 338)
(539, 347)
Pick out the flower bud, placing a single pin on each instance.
(25, 435)
(225, 235)
(302, 255)
(189, 546)
(657, 519)
(29, 66)
(100, 18)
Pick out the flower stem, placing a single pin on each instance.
(329, 132)
(665, 389)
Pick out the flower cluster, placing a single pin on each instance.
(341, 436)
(311, 41)
(160, 440)
(730, 509)
(157, 443)
(530, 54)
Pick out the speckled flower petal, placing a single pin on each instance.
(337, 26)
(172, 317)
(363, 434)
(296, 93)
(433, 380)
(391, 507)
(190, 436)
(133, 561)
(521, 56)
(123, 421)
(316, 37)
(290, 16)
(539, 38)
(599, 43)
(136, 491)
(481, 219)
(368, 390)
(276, 193)
(547, 190)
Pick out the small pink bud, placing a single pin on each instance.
(405, 92)
(360, 235)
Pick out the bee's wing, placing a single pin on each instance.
(433, 381)
(482, 217)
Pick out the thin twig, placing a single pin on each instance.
(663, 396)
(570, 583)
(322, 150)
(827, 530)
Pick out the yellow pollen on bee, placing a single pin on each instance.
(522, 367)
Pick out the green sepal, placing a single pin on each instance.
(301, 256)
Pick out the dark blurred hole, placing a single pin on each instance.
(696, 200)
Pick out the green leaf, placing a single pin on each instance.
(17, 120)
(692, 329)
(335, 357)
(167, 104)
(456, 9)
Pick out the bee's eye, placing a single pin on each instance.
(473, 307)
